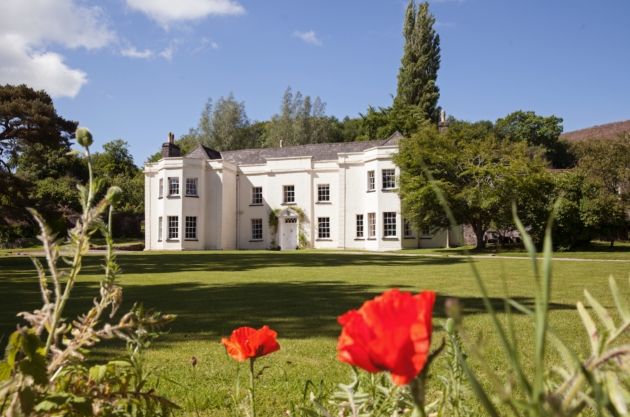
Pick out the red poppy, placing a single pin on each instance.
(246, 342)
(390, 333)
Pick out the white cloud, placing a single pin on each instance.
(20, 64)
(132, 52)
(205, 44)
(168, 11)
(308, 37)
(28, 27)
(167, 53)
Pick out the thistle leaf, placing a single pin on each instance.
(622, 305)
(615, 393)
(600, 311)
(590, 327)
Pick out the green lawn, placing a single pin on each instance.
(595, 250)
(299, 294)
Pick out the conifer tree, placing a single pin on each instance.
(420, 62)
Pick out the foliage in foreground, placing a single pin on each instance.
(44, 371)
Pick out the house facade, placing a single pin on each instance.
(328, 196)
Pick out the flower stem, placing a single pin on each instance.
(251, 386)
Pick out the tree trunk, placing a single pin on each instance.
(612, 242)
(479, 232)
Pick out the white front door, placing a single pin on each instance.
(289, 234)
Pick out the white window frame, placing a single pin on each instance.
(161, 188)
(425, 234)
(371, 181)
(389, 224)
(323, 227)
(371, 225)
(288, 194)
(360, 226)
(257, 196)
(190, 232)
(257, 230)
(191, 187)
(160, 225)
(408, 232)
(389, 179)
(323, 193)
(173, 186)
(173, 227)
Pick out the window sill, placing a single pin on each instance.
(288, 204)
(256, 240)
(173, 196)
(193, 196)
(409, 237)
(323, 202)
(172, 240)
(371, 238)
(160, 198)
(159, 240)
(388, 190)
(426, 237)
(390, 238)
(370, 191)
(359, 238)
(323, 240)
(254, 205)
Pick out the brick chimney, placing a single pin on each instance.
(169, 149)
(443, 124)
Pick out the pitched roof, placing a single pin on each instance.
(318, 151)
(609, 130)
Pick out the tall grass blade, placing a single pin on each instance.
(589, 324)
(621, 303)
(527, 240)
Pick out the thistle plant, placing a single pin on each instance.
(44, 370)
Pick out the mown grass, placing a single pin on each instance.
(595, 250)
(300, 295)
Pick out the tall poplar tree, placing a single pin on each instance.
(420, 62)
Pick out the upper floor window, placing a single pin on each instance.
(408, 229)
(371, 181)
(191, 228)
(323, 192)
(257, 196)
(191, 187)
(389, 224)
(389, 179)
(161, 190)
(173, 227)
(257, 229)
(289, 194)
(173, 186)
(323, 227)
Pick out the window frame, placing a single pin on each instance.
(160, 228)
(194, 181)
(173, 181)
(389, 224)
(323, 228)
(256, 196)
(359, 226)
(371, 180)
(323, 190)
(371, 225)
(173, 231)
(285, 194)
(161, 188)
(254, 228)
(408, 231)
(187, 228)
(391, 178)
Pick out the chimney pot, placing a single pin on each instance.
(443, 124)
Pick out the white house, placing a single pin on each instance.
(329, 195)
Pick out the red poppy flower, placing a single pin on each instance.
(390, 333)
(246, 342)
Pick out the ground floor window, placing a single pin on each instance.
(408, 229)
(359, 225)
(173, 227)
(323, 227)
(371, 224)
(256, 229)
(389, 224)
(159, 229)
(191, 228)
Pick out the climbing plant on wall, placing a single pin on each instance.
(274, 223)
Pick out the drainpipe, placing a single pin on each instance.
(238, 182)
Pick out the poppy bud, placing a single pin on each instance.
(450, 325)
(84, 137)
(114, 195)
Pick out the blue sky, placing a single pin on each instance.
(137, 69)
